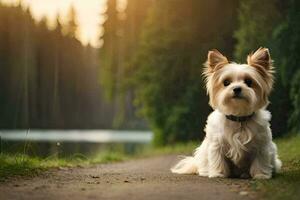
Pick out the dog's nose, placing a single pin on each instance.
(237, 90)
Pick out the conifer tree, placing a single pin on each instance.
(109, 50)
(71, 26)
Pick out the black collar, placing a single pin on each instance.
(239, 118)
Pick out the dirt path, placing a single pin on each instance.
(137, 179)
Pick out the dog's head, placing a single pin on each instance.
(239, 89)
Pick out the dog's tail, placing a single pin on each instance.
(276, 162)
(277, 165)
(186, 166)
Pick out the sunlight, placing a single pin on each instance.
(88, 15)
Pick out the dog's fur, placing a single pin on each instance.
(231, 148)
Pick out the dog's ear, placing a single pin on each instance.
(260, 59)
(262, 62)
(215, 59)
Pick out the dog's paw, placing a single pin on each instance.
(262, 176)
(216, 175)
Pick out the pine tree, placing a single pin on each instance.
(112, 61)
(109, 50)
(71, 26)
(133, 22)
(56, 72)
(122, 30)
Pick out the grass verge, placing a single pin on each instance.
(23, 165)
(286, 184)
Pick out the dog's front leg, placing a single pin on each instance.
(218, 166)
(261, 167)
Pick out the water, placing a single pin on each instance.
(46, 143)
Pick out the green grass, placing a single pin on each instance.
(286, 184)
(23, 165)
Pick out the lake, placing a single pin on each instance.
(46, 143)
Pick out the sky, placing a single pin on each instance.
(88, 15)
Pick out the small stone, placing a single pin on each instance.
(63, 168)
(126, 181)
(95, 176)
(243, 193)
(16, 185)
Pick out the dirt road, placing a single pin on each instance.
(137, 179)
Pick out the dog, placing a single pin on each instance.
(238, 141)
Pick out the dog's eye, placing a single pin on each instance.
(248, 82)
(226, 82)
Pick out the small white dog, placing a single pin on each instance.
(238, 140)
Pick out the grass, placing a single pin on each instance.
(286, 184)
(24, 165)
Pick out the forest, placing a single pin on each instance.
(49, 80)
(147, 73)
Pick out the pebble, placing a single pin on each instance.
(63, 168)
(243, 193)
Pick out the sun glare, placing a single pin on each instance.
(88, 15)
